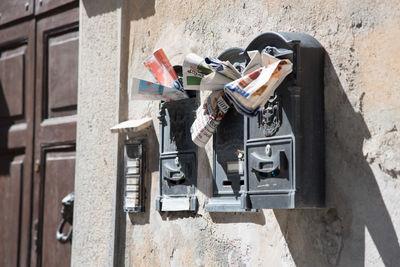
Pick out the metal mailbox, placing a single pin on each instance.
(178, 156)
(284, 144)
(276, 159)
(228, 152)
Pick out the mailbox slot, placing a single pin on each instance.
(178, 155)
(228, 152)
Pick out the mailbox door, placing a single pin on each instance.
(178, 174)
(270, 166)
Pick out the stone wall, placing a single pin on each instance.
(361, 223)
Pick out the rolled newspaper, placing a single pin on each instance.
(208, 117)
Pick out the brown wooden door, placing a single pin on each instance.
(16, 129)
(38, 98)
(55, 132)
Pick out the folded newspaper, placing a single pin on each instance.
(250, 93)
(208, 117)
(207, 74)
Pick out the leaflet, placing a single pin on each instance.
(145, 90)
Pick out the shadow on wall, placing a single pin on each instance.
(139, 8)
(336, 235)
(142, 9)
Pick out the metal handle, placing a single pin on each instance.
(174, 175)
(61, 237)
(67, 212)
(276, 162)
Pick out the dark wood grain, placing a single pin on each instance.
(17, 50)
(55, 132)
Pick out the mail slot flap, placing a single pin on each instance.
(269, 166)
(178, 174)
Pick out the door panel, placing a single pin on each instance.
(13, 81)
(11, 179)
(16, 134)
(15, 9)
(57, 76)
(55, 132)
(62, 74)
(57, 180)
(46, 5)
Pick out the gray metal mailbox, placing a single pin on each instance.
(276, 159)
(178, 156)
(284, 144)
(228, 154)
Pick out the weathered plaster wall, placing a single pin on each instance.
(100, 106)
(361, 223)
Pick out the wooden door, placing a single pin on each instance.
(55, 132)
(38, 98)
(16, 132)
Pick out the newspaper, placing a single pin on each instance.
(214, 81)
(194, 69)
(253, 90)
(207, 74)
(146, 90)
(223, 67)
(208, 117)
(162, 70)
